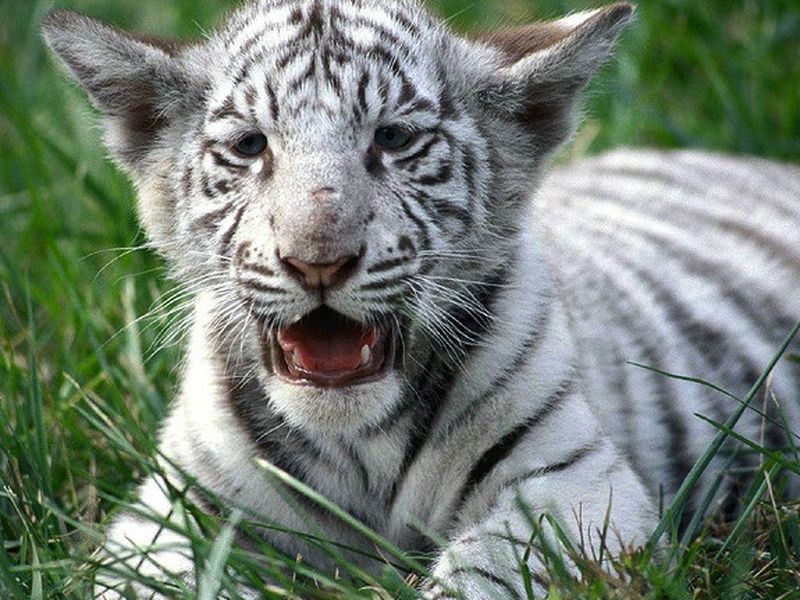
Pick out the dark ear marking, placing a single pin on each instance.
(170, 47)
(544, 66)
(135, 80)
(518, 42)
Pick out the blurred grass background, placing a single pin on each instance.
(75, 374)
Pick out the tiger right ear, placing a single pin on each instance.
(135, 81)
(546, 65)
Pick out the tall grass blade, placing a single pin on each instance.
(347, 518)
(743, 518)
(211, 578)
(705, 459)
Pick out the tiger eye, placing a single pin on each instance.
(251, 145)
(393, 137)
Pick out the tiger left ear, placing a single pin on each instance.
(546, 65)
(135, 81)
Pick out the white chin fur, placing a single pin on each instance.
(334, 411)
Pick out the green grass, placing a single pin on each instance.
(82, 392)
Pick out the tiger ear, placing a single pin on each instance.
(544, 66)
(135, 81)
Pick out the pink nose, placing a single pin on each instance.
(314, 276)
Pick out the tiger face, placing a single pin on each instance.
(333, 168)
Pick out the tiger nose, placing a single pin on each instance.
(319, 275)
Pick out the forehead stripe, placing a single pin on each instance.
(258, 42)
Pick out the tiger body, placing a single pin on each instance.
(690, 259)
(478, 339)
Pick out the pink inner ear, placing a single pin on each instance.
(519, 42)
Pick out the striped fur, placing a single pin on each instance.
(515, 318)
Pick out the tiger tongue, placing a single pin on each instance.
(325, 343)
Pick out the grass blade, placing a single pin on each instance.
(705, 459)
(347, 518)
(211, 578)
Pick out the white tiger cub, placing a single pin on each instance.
(385, 313)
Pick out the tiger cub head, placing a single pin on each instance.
(344, 178)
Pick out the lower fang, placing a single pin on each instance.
(365, 355)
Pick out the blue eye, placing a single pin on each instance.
(251, 145)
(392, 137)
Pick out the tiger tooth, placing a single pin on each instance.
(296, 357)
(366, 354)
(296, 318)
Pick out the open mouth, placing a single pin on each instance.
(325, 348)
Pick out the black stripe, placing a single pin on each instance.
(333, 79)
(373, 162)
(677, 179)
(250, 97)
(489, 577)
(386, 265)
(713, 345)
(205, 186)
(274, 109)
(522, 355)
(408, 92)
(385, 35)
(471, 174)
(619, 384)
(223, 186)
(260, 286)
(292, 53)
(241, 58)
(425, 242)
(404, 22)
(249, 402)
(221, 161)
(423, 152)
(509, 442)
(444, 595)
(510, 539)
(442, 175)
(427, 394)
(563, 465)
(384, 306)
(257, 268)
(210, 221)
(679, 461)
(227, 237)
(361, 468)
(186, 180)
(438, 208)
(309, 73)
(382, 284)
(225, 111)
(447, 104)
(381, 53)
(361, 93)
